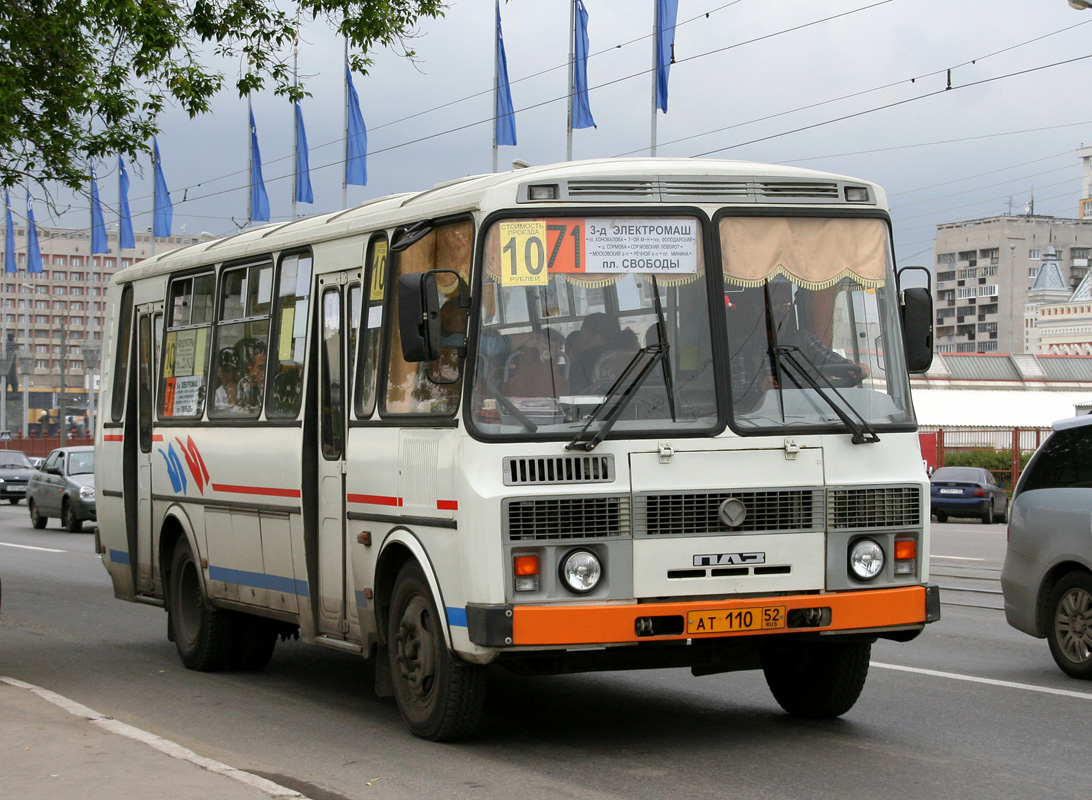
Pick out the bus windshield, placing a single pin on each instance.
(812, 324)
(579, 313)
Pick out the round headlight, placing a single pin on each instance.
(581, 571)
(866, 559)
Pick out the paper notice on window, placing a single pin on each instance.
(649, 245)
(185, 353)
(284, 340)
(187, 396)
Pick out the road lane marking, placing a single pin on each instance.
(165, 746)
(957, 558)
(29, 547)
(955, 676)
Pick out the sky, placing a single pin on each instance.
(856, 87)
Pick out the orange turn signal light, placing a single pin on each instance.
(905, 548)
(526, 565)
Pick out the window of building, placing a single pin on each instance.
(990, 255)
(970, 257)
(1035, 255)
(945, 258)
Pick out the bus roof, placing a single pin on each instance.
(628, 181)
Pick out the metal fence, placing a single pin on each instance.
(1006, 449)
(43, 445)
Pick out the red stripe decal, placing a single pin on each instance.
(374, 499)
(113, 437)
(157, 437)
(265, 491)
(447, 505)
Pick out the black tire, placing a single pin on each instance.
(942, 517)
(1003, 517)
(255, 640)
(36, 519)
(69, 520)
(987, 515)
(203, 635)
(440, 697)
(13, 500)
(816, 680)
(1069, 628)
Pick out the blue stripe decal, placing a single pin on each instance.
(119, 557)
(259, 580)
(456, 617)
(361, 600)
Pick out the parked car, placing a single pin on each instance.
(1047, 576)
(64, 487)
(15, 471)
(967, 492)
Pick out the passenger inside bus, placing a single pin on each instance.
(601, 352)
(248, 394)
(227, 376)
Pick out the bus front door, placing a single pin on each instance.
(145, 404)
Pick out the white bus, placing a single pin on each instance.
(600, 415)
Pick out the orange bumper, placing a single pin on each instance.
(611, 624)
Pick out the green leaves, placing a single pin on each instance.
(82, 79)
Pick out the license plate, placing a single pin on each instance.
(15, 490)
(951, 491)
(763, 618)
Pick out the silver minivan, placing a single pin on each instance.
(1047, 577)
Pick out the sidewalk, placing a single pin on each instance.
(54, 748)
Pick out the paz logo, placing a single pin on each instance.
(177, 473)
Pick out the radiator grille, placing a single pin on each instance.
(545, 518)
(536, 471)
(690, 513)
(810, 190)
(874, 507)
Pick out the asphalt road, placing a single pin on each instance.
(971, 709)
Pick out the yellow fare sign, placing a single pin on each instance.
(523, 253)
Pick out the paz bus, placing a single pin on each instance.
(613, 414)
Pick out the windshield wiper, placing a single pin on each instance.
(661, 331)
(863, 432)
(619, 395)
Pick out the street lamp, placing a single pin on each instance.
(26, 367)
(64, 345)
(1080, 5)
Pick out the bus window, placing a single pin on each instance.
(375, 280)
(242, 339)
(290, 320)
(411, 386)
(121, 354)
(185, 348)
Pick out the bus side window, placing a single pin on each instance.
(409, 390)
(121, 355)
(375, 279)
(242, 340)
(186, 346)
(289, 337)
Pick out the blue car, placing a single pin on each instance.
(967, 492)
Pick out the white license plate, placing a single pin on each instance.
(951, 491)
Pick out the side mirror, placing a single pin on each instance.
(419, 316)
(916, 315)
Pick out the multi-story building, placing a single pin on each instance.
(985, 268)
(51, 323)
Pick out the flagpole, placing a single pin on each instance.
(655, 70)
(295, 124)
(345, 109)
(572, 79)
(250, 162)
(496, 81)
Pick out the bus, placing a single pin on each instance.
(602, 415)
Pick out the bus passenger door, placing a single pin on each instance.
(332, 610)
(145, 405)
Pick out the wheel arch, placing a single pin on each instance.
(1046, 588)
(176, 527)
(400, 546)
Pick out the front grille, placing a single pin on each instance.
(874, 507)
(545, 518)
(539, 470)
(809, 190)
(691, 513)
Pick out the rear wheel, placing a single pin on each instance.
(942, 517)
(1003, 517)
(69, 521)
(987, 515)
(36, 519)
(203, 635)
(440, 697)
(255, 640)
(1070, 633)
(13, 500)
(818, 680)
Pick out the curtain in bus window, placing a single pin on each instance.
(289, 338)
(409, 388)
(375, 279)
(811, 252)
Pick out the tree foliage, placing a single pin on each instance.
(87, 79)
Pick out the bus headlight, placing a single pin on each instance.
(866, 559)
(581, 571)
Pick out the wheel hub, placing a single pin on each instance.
(416, 649)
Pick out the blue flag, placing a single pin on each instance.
(303, 167)
(9, 238)
(259, 200)
(164, 209)
(34, 252)
(666, 12)
(581, 107)
(98, 225)
(504, 125)
(125, 235)
(356, 144)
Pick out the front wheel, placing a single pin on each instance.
(36, 518)
(1070, 633)
(203, 635)
(440, 697)
(817, 680)
(69, 521)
